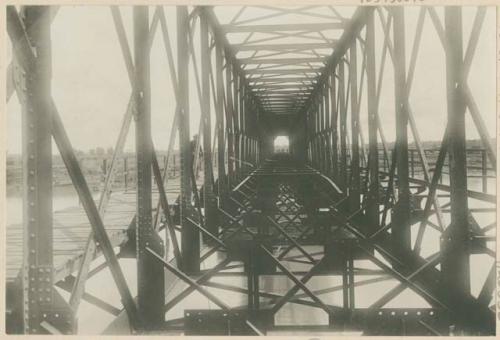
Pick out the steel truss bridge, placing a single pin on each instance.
(327, 208)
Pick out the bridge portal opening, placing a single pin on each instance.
(281, 144)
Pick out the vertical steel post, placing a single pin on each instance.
(372, 209)
(401, 233)
(125, 172)
(256, 151)
(328, 139)
(150, 272)
(354, 193)
(230, 123)
(345, 286)
(412, 162)
(250, 118)
(334, 127)
(219, 116)
(343, 128)
(208, 190)
(326, 128)
(321, 137)
(319, 146)
(317, 136)
(253, 152)
(350, 276)
(255, 135)
(317, 128)
(301, 137)
(190, 243)
(314, 144)
(236, 119)
(173, 164)
(37, 179)
(455, 241)
(243, 104)
(104, 168)
(484, 170)
(312, 135)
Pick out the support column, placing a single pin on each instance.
(316, 152)
(256, 150)
(208, 189)
(229, 124)
(401, 232)
(236, 118)
(243, 131)
(354, 192)
(328, 140)
(37, 179)
(321, 130)
(350, 265)
(317, 135)
(455, 267)
(219, 116)
(372, 209)
(343, 129)
(317, 160)
(334, 128)
(150, 272)
(310, 135)
(243, 139)
(190, 238)
(245, 106)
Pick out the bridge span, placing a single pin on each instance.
(355, 225)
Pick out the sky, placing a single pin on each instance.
(91, 89)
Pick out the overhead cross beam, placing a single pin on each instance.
(313, 27)
(288, 61)
(283, 71)
(284, 47)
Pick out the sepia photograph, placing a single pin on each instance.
(309, 170)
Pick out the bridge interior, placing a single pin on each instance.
(318, 231)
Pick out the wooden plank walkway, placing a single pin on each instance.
(72, 228)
